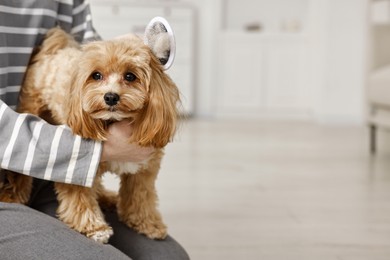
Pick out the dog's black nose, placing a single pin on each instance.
(111, 99)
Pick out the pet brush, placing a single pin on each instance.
(160, 38)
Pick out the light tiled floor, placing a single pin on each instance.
(277, 190)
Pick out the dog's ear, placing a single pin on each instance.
(159, 37)
(78, 120)
(156, 123)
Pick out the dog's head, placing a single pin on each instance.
(123, 79)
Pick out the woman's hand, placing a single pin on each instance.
(117, 148)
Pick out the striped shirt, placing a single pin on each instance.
(29, 145)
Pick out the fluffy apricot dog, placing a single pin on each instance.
(87, 87)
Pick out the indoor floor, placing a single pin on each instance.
(276, 191)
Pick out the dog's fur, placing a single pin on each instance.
(61, 86)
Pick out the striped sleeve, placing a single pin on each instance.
(30, 146)
(82, 28)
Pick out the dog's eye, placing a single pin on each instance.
(97, 76)
(130, 77)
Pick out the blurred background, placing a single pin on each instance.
(284, 152)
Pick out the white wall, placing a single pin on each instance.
(342, 27)
(272, 18)
(209, 19)
(337, 30)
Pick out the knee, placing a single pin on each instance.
(167, 249)
(171, 251)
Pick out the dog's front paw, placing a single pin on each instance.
(101, 235)
(153, 230)
(156, 231)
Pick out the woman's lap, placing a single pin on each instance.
(28, 234)
(42, 233)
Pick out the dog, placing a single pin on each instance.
(87, 87)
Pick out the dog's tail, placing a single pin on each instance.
(55, 40)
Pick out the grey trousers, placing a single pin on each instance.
(31, 232)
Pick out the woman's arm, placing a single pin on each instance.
(30, 146)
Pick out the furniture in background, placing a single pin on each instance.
(378, 80)
(263, 59)
(296, 59)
